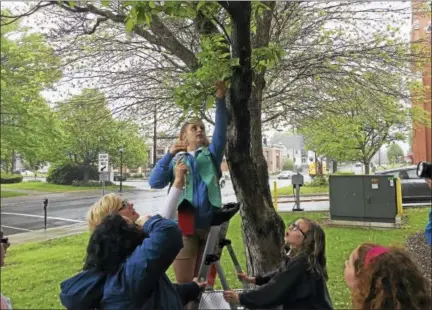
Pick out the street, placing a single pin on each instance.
(25, 214)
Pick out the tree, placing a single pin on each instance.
(28, 125)
(355, 129)
(190, 44)
(90, 129)
(288, 164)
(394, 153)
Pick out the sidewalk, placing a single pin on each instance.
(50, 233)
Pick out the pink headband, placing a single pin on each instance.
(375, 252)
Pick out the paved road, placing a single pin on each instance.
(24, 214)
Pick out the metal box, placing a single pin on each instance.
(367, 198)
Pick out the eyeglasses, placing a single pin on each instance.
(5, 241)
(125, 204)
(295, 227)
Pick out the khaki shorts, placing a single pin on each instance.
(193, 245)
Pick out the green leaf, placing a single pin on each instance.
(130, 23)
(106, 3)
(209, 102)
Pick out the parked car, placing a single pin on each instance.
(414, 189)
(118, 177)
(286, 174)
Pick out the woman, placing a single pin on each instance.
(109, 204)
(125, 268)
(301, 282)
(5, 302)
(203, 160)
(385, 278)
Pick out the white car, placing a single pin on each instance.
(286, 174)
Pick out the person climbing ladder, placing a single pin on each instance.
(201, 187)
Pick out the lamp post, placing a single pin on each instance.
(121, 168)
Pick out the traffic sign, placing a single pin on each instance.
(103, 162)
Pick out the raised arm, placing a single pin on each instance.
(218, 142)
(168, 211)
(162, 172)
(152, 258)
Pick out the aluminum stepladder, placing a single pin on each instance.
(210, 264)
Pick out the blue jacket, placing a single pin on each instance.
(141, 282)
(162, 174)
(428, 230)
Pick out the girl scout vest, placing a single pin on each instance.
(210, 175)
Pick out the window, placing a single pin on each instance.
(160, 152)
(304, 160)
(303, 153)
(416, 25)
(412, 174)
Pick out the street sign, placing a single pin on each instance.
(103, 162)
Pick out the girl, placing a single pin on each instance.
(301, 282)
(385, 278)
(201, 188)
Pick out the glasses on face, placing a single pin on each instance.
(295, 227)
(5, 241)
(125, 204)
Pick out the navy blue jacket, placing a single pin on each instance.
(141, 282)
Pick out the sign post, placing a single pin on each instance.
(103, 169)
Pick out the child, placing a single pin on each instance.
(301, 283)
(385, 278)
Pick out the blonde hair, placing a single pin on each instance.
(108, 204)
(193, 121)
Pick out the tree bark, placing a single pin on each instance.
(367, 166)
(261, 225)
(335, 165)
(86, 169)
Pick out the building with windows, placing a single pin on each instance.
(421, 30)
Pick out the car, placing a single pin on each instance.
(414, 189)
(119, 177)
(286, 174)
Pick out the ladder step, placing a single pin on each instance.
(215, 300)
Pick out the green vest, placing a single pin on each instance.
(209, 175)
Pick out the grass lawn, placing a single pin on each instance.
(54, 188)
(6, 194)
(288, 190)
(33, 272)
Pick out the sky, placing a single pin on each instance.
(64, 88)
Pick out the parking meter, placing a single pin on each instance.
(297, 180)
(45, 202)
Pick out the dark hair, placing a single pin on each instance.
(314, 248)
(111, 243)
(390, 281)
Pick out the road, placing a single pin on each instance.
(25, 214)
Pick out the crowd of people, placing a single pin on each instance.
(128, 255)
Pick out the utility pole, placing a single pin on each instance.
(154, 136)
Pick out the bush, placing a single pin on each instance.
(137, 176)
(65, 174)
(319, 181)
(8, 178)
(91, 183)
(288, 164)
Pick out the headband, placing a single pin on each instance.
(375, 252)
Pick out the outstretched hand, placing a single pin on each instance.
(231, 297)
(201, 285)
(221, 89)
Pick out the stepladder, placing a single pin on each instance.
(211, 267)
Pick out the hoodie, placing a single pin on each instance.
(141, 282)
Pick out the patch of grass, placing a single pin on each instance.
(7, 194)
(55, 188)
(33, 272)
(288, 190)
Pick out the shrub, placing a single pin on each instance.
(91, 183)
(65, 174)
(8, 178)
(318, 181)
(137, 176)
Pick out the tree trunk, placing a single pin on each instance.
(262, 227)
(367, 167)
(86, 171)
(335, 166)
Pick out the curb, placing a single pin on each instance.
(304, 200)
(49, 234)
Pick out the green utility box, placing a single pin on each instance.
(363, 198)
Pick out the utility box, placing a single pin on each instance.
(364, 198)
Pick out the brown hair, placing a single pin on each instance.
(193, 121)
(390, 281)
(314, 248)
